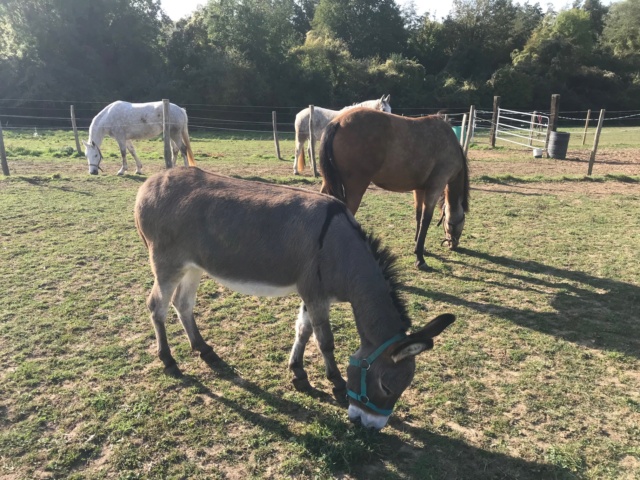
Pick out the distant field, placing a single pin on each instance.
(537, 379)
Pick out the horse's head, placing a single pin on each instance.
(94, 157)
(383, 374)
(452, 223)
(384, 104)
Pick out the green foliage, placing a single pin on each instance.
(621, 32)
(368, 27)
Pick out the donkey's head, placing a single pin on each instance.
(94, 156)
(376, 379)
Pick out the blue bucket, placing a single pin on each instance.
(457, 131)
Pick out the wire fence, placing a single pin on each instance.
(21, 115)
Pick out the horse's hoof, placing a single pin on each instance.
(209, 356)
(173, 370)
(421, 265)
(301, 384)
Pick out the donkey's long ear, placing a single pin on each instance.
(422, 340)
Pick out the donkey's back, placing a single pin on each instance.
(253, 237)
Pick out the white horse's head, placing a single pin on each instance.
(385, 106)
(94, 157)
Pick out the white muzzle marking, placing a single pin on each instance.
(368, 420)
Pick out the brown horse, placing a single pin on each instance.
(270, 240)
(399, 154)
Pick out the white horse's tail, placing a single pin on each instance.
(300, 162)
(185, 139)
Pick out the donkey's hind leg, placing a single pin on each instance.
(158, 304)
(184, 299)
(296, 359)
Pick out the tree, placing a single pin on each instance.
(621, 32)
(369, 28)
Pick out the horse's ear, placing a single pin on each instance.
(422, 340)
(85, 144)
(387, 98)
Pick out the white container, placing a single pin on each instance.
(537, 153)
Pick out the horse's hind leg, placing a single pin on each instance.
(184, 299)
(131, 149)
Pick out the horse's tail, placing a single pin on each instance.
(300, 161)
(187, 143)
(332, 182)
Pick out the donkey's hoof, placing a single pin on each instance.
(340, 395)
(422, 265)
(210, 356)
(301, 384)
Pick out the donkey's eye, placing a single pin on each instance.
(386, 390)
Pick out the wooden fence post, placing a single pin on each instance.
(592, 159)
(75, 130)
(166, 125)
(553, 120)
(274, 120)
(463, 129)
(586, 126)
(494, 121)
(312, 152)
(3, 154)
(534, 117)
(472, 116)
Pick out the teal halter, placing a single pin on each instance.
(364, 366)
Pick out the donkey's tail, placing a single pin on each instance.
(187, 144)
(332, 182)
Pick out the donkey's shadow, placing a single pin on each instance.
(377, 454)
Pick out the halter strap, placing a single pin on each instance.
(364, 366)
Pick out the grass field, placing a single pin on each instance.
(539, 377)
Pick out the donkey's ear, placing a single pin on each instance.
(422, 340)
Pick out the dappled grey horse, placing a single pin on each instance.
(321, 118)
(270, 240)
(126, 121)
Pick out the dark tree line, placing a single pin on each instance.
(327, 52)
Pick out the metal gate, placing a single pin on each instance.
(528, 129)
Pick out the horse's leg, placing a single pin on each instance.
(319, 316)
(418, 200)
(158, 304)
(296, 359)
(123, 151)
(430, 197)
(354, 193)
(131, 149)
(184, 299)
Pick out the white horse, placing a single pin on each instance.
(321, 118)
(126, 121)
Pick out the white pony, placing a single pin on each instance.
(321, 118)
(126, 121)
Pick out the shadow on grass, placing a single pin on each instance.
(607, 321)
(344, 448)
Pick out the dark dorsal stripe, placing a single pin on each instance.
(334, 209)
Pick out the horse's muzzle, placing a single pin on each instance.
(93, 172)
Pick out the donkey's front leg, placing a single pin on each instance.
(319, 316)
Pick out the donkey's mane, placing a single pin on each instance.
(388, 264)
